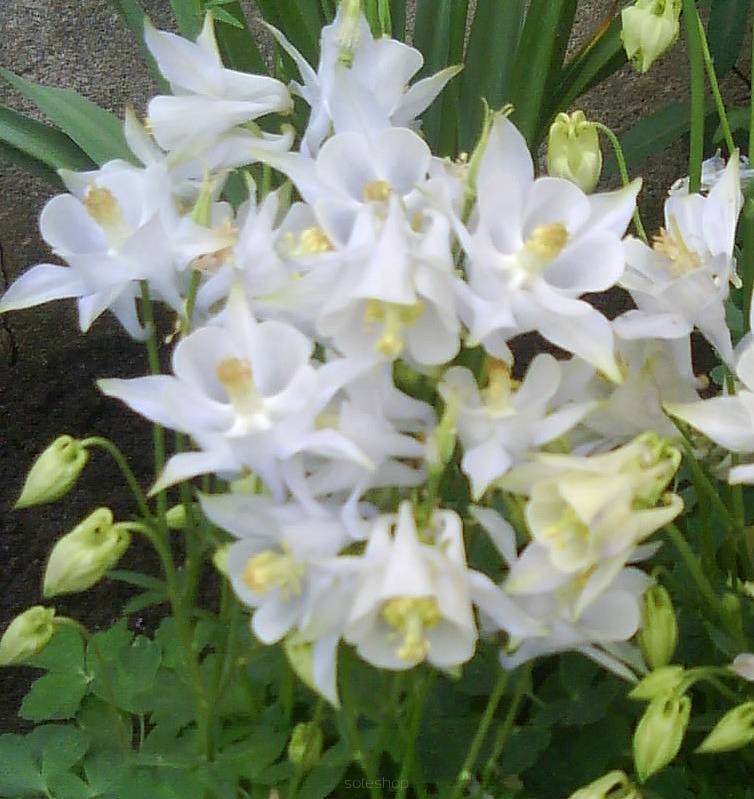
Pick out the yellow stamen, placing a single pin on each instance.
(394, 318)
(270, 569)
(102, 205)
(376, 191)
(674, 248)
(547, 241)
(411, 617)
(237, 380)
(560, 533)
(311, 241)
(500, 387)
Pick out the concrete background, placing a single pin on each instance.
(47, 369)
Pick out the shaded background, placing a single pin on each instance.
(48, 369)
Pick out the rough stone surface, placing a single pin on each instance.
(47, 369)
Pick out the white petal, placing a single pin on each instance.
(483, 464)
(40, 284)
(273, 619)
(499, 530)
(421, 95)
(191, 464)
(723, 419)
(502, 609)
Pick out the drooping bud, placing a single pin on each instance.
(54, 472)
(658, 636)
(734, 730)
(175, 518)
(660, 732)
(82, 557)
(305, 745)
(614, 785)
(659, 682)
(650, 27)
(27, 635)
(573, 151)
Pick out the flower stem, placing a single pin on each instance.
(620, 158)
(120, 460)
(696, 61)
(467, 770)
(417, 711)
(158, 433)
(692, 564)
(715, 86)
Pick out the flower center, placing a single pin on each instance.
(561, 534)
(411, 617)
(237, 380)
(377, 191)
(394, 318)
(311, 241)
(270, 569)
(547, 242)
(102, 205)
(674, 248)
(500, 388)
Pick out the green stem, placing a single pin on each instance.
(715, 86)
(696, 62)
(298, 774)
(504, 733)
(153, 358)
(419, 697)
(122, 463)
(695, 569)
(196, 279)
(467, 770)
(620, 158)
(751, 120)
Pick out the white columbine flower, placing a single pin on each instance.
(505, 422)
(413, 603)
(682, 281)
(361, 83)
(208, 99)
(727, 420)
(248, 393)
(536, 246)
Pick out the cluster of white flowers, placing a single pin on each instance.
(305, 324)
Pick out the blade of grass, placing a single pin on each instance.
(398, 16)
(97, 132)
(41, 142)
(538, 58)
(495, 34)
(134, 16)
(237, 45)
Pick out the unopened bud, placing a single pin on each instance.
(573, 151)
(54, 472)
(650, 27)
(348, 33)
(220, 559)
(27, 635)
(175, 518)
(82, 557)
(658, 636)
(442, 441)
(734, 730)
(659, 682)
(614, 785)
(660, 732)
(305, 746)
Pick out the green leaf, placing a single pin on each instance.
(56, 696)
(188, 15)
(147, 599)
(600, 58)
(64, 652)
(68, 786)
(495, 35)
(126, 677)
(60, 747)
(134, 16)
(726, 30)
(739, 120)
(523, 749)
(237, 44)
(539, 58)
(173, 702)
(259, 749)
(322, 781)
(107, 728)
(138, 579)
(104, 769)
(298, 28)
(42, 142)
(20, 775)
(96, 131)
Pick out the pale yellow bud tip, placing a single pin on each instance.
(27, 635)
(54, 472)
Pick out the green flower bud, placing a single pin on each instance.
(82, 557)
(27, 635)
(220, 559)
(734, 730)
(658, 636)
(650, 27)
(660, 732)
(305, 745)
(573, 151)
(614, 785)
(659, 682)
(175, 518)
(349, 31)
(54, 472)
(442, 441)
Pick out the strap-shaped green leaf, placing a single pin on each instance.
(41, 142)
(539, 58)
(188, 15)
(298, 26)
(134, 16)
(97, 132)
(495, 35)
(601, 57)
(237, 45)
(398, 18)
(726, 30)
